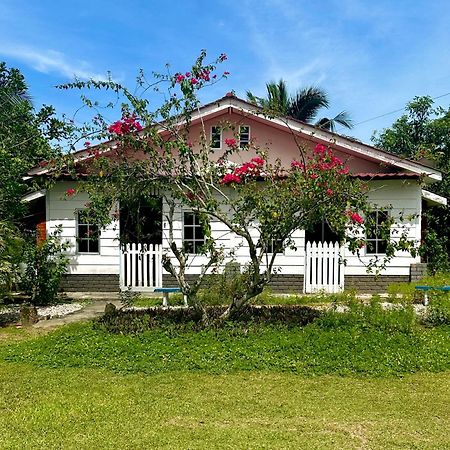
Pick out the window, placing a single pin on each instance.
(376, 236)
(275, 243)
(244, 136)
(87, 234)
(193, 235)
(216, 137)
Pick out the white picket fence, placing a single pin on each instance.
(324, 270)
(141, 267)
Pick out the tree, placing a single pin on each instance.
(424, 132)
(303, 106)
(261, 202)
(26, 138)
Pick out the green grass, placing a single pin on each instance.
(314, 349)
(97, 409)
(362, 379)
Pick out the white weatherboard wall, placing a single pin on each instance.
(290, 263)
(405, 197)
(61, 210)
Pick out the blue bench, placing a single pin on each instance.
(166, 292)
(425, 289)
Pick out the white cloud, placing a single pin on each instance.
(51, 61)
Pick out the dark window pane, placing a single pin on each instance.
(188, 218)
(83, 246)
(382, 246)
(189, 233)
(188, 247)
(93, 245)
(82, 231)
(371, 247)
(199, 233)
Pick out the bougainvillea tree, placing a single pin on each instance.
(259, 201)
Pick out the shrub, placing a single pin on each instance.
(138, 321)
(372, 316)
(438, 313)
(45, 263)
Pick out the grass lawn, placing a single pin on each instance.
(98, 409)
(325, 385)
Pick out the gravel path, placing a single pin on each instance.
(12, 312)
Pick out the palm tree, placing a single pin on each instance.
(303, 106)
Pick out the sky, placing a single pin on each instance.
(371, 57)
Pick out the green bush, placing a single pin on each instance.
(361, 315)
(138, 321)
(45, 263)
(11, 249)
(438, 313)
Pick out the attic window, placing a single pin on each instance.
(244, 136)
(216, 137)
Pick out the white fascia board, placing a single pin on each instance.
(34, 195)
(434, 198)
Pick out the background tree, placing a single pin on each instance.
(27, 137)
(424, 132)
(259, 201)
(303, 106)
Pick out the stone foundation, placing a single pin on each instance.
(368, 284)
(90, 283)
(282, 284)
(418, 271)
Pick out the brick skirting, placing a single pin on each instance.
(280, 283)
(90, 283)
(368, 284)
(283, 284)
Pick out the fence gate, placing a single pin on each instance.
(141, 267)
(324, 269)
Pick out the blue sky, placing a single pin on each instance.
(370, 56)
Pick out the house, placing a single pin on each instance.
(98, 262)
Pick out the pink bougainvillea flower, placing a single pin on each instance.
(70, 192)
(344, 171)
(226, 73)
(223, 57)
(230, 178)
(231, 142)
(194, 81)
(329, 192)
(355, 217)
(125, 125)
(87, 144)
(188, 74)
(314, 176)
(179, 78)
(320, 149)
(258, 161)
(297, 165)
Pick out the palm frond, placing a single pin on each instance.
(306, 103)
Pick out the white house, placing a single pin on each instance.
(102, 264)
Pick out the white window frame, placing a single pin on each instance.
(241, 145)
(78, 238)
(213, 132)
(196, 243)
(376, 240)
